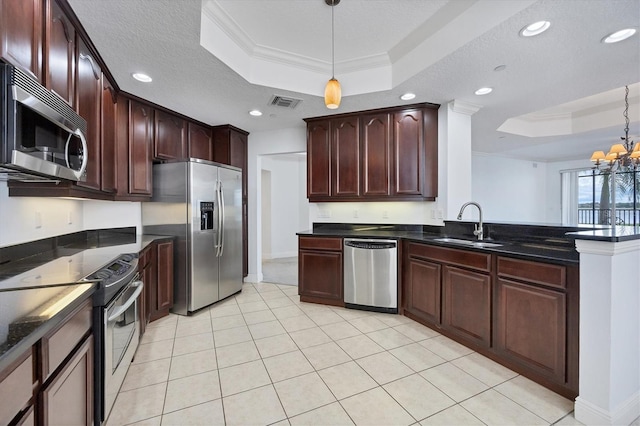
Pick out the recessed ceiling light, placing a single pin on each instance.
(408, 96)
(141, 77)
(535, 28)
(255, 113)
(619, 35)
(484, 91)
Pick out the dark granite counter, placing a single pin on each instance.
(42, 281)
(27, 315)
(615, 235)
(548, 243)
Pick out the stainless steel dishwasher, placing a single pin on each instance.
(371, 274)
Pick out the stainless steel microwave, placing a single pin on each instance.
(42, 136)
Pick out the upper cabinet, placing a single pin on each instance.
(169, 141)
(200, 142)
(59, 52)
(88, 101)
(389, 154)
(108, 137)
(21, 30)
(140, 147)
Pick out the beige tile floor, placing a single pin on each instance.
(262, 357)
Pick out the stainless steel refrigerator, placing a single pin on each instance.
(200, 203)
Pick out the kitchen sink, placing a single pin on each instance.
(468, 243)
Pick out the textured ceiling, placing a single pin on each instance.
(564, 64)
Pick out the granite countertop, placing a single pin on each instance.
(42, 281)
(535, 242)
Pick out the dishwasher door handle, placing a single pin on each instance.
(371, 244)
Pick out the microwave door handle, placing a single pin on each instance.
(85, 153)
(139, 286)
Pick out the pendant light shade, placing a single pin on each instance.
(332, 92)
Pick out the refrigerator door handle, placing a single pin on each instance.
(219, 220)
(222, 224)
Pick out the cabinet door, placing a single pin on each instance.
(422, 290)
(345, 157)
(108, 144)
(531, 327)
(200, 142)
(320, 275)
(408, 153)
(318, 159)
(21, 34)
(466, 308)
(60, 52)
(88, 100)
(169, 137)
(376, 153)
(16, 387)
(68, 399)
(164, 294)
(140, 146)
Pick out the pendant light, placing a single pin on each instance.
(332, 92)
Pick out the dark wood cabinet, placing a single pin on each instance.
(535, 322)
(318, 159)
(68, 398)
(88, 101)
(169, 137)
(345, 157)
(466, 304)
(16, 388)
(230, 146)
(376, 155)
(108, 138)
(382, 155)
(140, 148)
(200, 142)
(21, 34)
(156, 270)
(164, 294)
(59, 52)
(320, 267)
(422, 289)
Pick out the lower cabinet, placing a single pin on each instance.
(68, 398)
(156, 271)
(320, 270)
(521, 313)
(52, 382)
(466, 304)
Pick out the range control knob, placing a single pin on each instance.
(127, 257)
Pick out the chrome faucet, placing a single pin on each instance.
(478, 226)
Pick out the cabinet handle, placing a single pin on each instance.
(91, 64)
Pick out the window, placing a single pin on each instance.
(594, 197)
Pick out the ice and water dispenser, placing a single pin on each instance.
(206, 215)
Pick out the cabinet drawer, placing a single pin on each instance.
(464, 258)
(16, 390)
(57, 345)
(320, 243)
(535, 272)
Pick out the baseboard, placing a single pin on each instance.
(253, 278)
(283, 254)
(624, 414)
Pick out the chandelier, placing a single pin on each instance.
(332, 92)
(623, 154)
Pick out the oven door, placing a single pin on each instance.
(121, 338)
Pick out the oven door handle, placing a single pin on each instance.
(128, 303)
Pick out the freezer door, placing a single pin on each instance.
(203, 228)
(231, 249)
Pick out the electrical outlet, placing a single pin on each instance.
(38, 220)
(440, 214)
(69, 218)
(356, 214)
(433, 213)
(385, 214)
(324, 213)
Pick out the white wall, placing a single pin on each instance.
(510, 190)
(19, 221)
(285, 203)
(265, 209)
